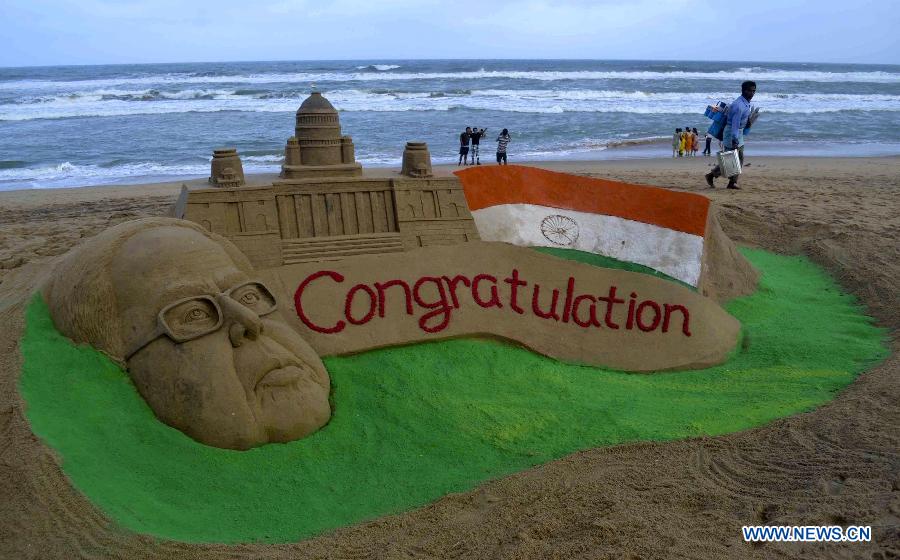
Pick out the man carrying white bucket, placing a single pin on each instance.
(733, 133)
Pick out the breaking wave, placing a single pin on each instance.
(67, 174)
(119, 102)
(380, 72)
(379, 67)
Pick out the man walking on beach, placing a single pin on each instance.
(733, 134)
(464, 146)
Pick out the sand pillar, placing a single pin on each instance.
(292, 151)
(226, 169)
(348, 153)
(416, 160)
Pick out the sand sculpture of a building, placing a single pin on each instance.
(323, 208)
(317, 148)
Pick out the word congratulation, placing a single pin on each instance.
(437, 297)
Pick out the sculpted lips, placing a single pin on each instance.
(290, 375)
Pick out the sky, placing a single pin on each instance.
(62, 32)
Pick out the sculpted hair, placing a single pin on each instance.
(81, 296)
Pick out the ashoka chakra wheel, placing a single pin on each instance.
(560, 230)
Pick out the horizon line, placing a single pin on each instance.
(580, 59)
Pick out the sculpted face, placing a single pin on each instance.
(206, 348)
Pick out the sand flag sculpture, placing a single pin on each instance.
(672, 232)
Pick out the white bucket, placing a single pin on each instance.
(729, 163)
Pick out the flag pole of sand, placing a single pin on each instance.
(671, 232)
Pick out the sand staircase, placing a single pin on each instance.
(334, 248)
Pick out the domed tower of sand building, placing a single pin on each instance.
(322, 208)
(317, 148)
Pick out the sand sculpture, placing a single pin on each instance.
(323, 208)
(318, 149)
(673, 232)
(201, 337)
(416, 160)
(226, 169)
(345, 263)
(559, 308)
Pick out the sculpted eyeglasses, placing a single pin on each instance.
(193, 317)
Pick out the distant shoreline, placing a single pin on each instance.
(636, 152)
(696, 166)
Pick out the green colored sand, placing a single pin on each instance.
(414, 423)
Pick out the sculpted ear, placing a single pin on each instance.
(81, 300)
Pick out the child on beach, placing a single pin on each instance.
(707, 150)
(676, 142)
(502, 143)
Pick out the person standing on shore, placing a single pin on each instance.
(476, 140)
(464, 146)
(502, 143)
(733, 135)
(695, 142)
(676, 142)
(708, 149)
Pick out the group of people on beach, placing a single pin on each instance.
(470, 141)
(685, 143)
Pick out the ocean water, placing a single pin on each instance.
(80, 125)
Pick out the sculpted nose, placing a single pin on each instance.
(241, 322)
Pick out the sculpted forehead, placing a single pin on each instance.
(163, 264)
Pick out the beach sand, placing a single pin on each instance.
(837, 465)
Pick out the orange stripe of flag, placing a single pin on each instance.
(516, 184)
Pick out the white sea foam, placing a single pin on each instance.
(113, 94)
(379, 67)
(67, 174)
(263, 160)
(306, 78)
(115, 102)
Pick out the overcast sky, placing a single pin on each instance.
(36, 32)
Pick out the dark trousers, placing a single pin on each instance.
(707, 151)
(716, 172)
